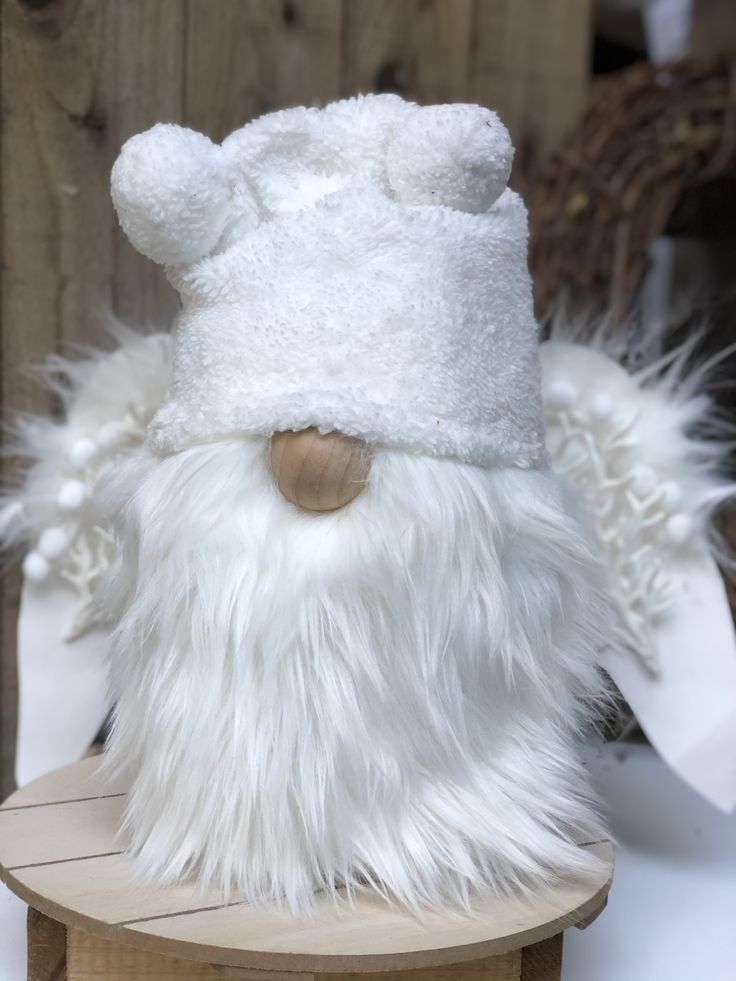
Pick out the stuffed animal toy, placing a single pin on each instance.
(356, 615)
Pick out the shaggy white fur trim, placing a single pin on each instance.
(383, 698)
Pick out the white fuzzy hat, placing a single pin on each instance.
(359, 268)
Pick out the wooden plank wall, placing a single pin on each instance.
(80, 76)
(713, 28)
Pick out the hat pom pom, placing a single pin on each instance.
(455, 155)
(171, 191)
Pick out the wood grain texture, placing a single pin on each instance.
(91, 958)
(504, 967)
(79, 883)
(46, 948)
(80, 76)
(319, 472)
(255, 56)
(592, 916)
(42, 835)
(249, 974)
(64, 860)
(713, 29)
(530, 61)
(418, 48)
(542, 961)
(63, 786)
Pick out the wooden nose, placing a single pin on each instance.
(319, 472)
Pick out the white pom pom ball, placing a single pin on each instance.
(35, 567)
(171, 191)
(643, 480)
(602, 406)
(454, 155)
(83, 451)
(561, 394)
(679, 528)
(53, 543)
(72, 495)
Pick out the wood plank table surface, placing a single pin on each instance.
(60, 852)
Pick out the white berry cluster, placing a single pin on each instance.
(75, 546)
(640, 517)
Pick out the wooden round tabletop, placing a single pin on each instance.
(60, 853)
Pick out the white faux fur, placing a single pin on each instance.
(385, 698)
(108, 399)
(427, 652)
(648, 449)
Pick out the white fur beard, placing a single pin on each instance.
(386, 697)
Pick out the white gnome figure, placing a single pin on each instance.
(384, 696)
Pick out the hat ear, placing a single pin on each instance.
(454, 155)
(171, 190)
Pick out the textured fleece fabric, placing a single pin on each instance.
(369, 276)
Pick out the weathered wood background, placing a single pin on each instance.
(80, 76)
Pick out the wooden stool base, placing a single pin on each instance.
(90, 920)
(56, 953)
